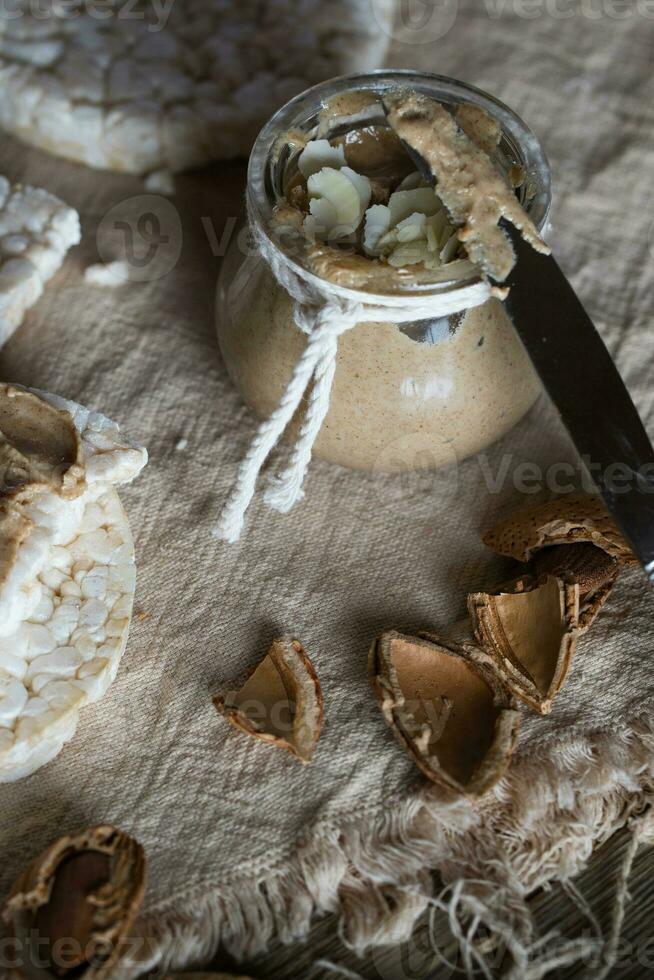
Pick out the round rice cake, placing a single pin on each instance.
(172, 85)
(66, 599)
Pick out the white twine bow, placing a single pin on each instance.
(323, 315)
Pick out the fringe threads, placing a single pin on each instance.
(539, 825)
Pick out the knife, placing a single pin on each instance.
(585, 386)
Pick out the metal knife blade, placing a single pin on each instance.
(582, 380)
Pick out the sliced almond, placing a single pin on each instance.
(347, 193)
(403, 204)
(413, 228)
(322, 221)
(566, 520)
(281, 702)
(71, 910)
(531, 633)
(377, 224)
(439, 230)
(362, 186)
(318, 154)
(410, 253)
(450, 248)
(445, 707)
(411, 182)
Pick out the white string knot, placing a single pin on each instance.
(323, 311)
(312, 376)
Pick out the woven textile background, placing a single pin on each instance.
(215, 812)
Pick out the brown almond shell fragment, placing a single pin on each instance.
(71, 910)
(281, 702)
(531, 634)
(446, 708)
(40, 447)
(594, 571)
(565, 520)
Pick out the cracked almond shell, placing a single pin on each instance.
(445, 706)
(566, 520)
(594, 571)
(71, 910)
(531, 634)
(281, 702)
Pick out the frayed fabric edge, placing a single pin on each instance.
(539, 825)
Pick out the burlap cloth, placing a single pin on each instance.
(244, 843)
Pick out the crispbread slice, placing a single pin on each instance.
(36, 232)
(173, 88)
(66, 603)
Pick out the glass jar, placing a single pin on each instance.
(405, 396)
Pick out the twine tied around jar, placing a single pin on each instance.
(323, 310)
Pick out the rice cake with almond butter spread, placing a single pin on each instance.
(67, 571)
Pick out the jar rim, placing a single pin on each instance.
(301, 112)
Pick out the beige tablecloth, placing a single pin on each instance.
(243, 843)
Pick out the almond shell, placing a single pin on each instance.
(444, 705)
(86, 887)
(593, 569)
(281, 702)
(565, 520)
(530, 631)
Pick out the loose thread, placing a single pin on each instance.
(610, 951)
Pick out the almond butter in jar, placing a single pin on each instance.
(433, 388)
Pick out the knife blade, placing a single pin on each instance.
(587, 390)
(584, 384)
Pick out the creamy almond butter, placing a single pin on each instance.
(404, 396)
